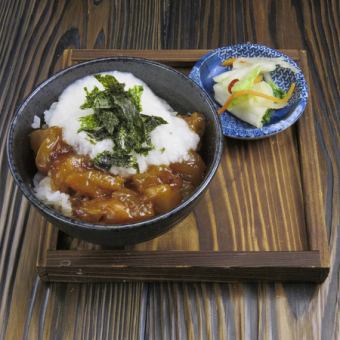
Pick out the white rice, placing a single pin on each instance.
(58, 200)
(36, 123)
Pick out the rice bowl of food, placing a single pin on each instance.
(115, 150)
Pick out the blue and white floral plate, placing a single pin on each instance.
(210, 66)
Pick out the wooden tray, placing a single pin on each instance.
(261, 219)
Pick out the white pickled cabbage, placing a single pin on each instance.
(249, 108)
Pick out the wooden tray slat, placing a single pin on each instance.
(311, 180)
(261, 219)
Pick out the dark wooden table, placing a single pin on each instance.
(33, 36)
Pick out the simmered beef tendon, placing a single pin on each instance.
(155, 175)
(75, 173)
(124, 206)
(161, 185)
(164, 197)
(166, 175)
(47, 144)
(37, 137)
(94, 183)
(187, 188)
(63, 167)
(192, 169)
(144, 180)
(196, 122)
(100, 197)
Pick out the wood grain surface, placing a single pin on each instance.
(33, 36)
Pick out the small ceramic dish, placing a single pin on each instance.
(210, 66)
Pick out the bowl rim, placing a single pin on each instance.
(271, 129)
(62, 219)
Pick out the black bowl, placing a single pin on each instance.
(177, 89)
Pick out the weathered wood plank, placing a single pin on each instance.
(205, 266)
(311, 180)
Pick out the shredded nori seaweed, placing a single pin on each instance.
(117, 116)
